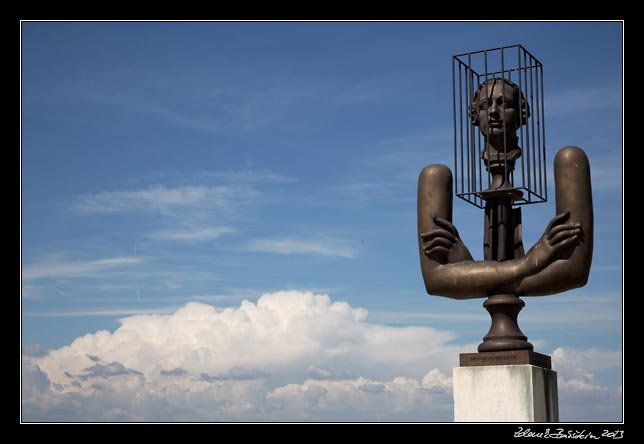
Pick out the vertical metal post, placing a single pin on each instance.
(489, 175)
(527, 127)
(543, 134)
(460, 92)
(534, 147)
(505, 141)
(454, 108)
(470, 139)
(521, 122)
(478, 151)
(537, 117)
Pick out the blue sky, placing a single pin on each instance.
(170, 162)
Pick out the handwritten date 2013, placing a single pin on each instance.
(561, 433)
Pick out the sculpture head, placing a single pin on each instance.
(498, 101)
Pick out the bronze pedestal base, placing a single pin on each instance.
(504, 334)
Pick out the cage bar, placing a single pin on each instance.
(526, 174)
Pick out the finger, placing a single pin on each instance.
(439, 252)
(439, 232)
(559, 218)
(444, 223)
(439, 242)
(564, 235)
(567, 243)
(563, 227)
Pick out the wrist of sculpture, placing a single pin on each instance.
(527, 266)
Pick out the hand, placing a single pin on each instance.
(443, 244)
(556, 242)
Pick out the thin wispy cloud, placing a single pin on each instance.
(102, 312)
(164, 199)
(411, 317)
(607, 176)
(246, 176)
(218, 298)
(59, 269)
(194, 235)
(606, 169)
(174, 114)
(582, 100)
(227, 177)
(301, 246)
(366, 191)
(32, 292)
(590, 311)
(583, 319)
(216, 104)
(403, 157)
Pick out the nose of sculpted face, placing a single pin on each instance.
(494, 112)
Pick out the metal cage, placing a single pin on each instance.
(528, 175)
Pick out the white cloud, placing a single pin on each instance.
(240, 358)
(362, 399)
(166, 200)
(61, 268)
(283, 331)
(577, 363)
(578, 386)
(194, 235)
(292, 356)
(301, 246)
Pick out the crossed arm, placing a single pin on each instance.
(560, 260)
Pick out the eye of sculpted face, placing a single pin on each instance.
(497, 107)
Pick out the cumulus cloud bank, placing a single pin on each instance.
(578, 387)
(292, 356)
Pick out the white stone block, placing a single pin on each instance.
(505, 393)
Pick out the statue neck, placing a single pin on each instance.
(499, 161)
(496, 144)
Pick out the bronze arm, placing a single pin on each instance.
(557, 262)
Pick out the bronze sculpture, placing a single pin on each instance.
(559, 261)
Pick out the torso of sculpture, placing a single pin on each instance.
(559, 260)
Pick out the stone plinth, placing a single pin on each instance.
(505, 393)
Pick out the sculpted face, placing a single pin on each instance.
(498, 107)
